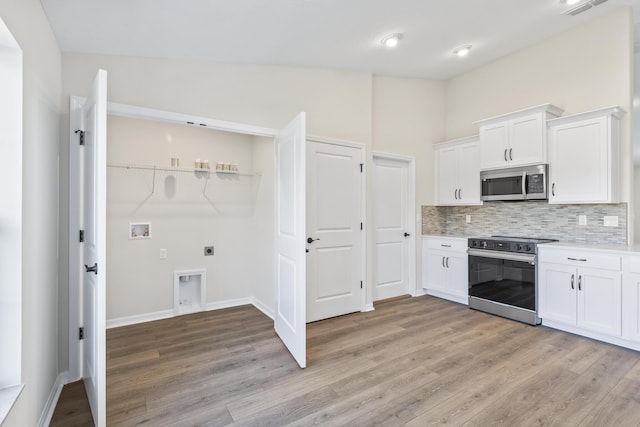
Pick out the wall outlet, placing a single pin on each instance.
(582, 220)
(468, 219)
(611, 221)
(163, 253)
(208, 250)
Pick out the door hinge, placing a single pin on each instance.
(81, 333)
(81, 236)
(81, 132)
(361, 167)
(361, 226)
(360, 284)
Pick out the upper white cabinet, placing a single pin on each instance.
(584, 157)
(516, 139)
(457, 172)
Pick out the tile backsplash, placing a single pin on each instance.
(529, 219)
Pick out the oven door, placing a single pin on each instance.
(503, 277)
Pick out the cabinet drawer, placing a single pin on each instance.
(447, 244)
(634, 264)
(582, 259)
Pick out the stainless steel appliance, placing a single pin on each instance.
(521, 183)
(503, 276)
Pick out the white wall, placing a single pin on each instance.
(41, 114)
(184, 219)
(583, 69)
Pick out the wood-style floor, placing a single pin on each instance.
(417, 361)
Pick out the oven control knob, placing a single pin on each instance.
(483, 244)
(518, 247)
(474, 243)
(527, 248)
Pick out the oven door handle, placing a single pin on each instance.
(510, 256)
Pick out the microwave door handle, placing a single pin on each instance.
(524, 185)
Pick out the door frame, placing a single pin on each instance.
(410, 212)
(363, 207)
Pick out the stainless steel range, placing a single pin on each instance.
(503, 276)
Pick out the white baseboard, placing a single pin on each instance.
(139, 318)
(229, 303)
(368, 307)
(419, 292)
(52, 401)
(263, 308)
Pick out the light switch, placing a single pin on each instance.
(163, 253)
(582, 220)
(468, 219)
(611, 221)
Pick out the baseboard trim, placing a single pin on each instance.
(52, 401)
(419, 292)
(139, 318)
(218, 305)
(263, 308)
(368, 307)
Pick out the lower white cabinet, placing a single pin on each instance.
(445, 268)
(581, 292)
(631, 300)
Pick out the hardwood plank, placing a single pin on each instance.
(414, 361)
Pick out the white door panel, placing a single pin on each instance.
(93, 222)
(391, 222)
(334, 214)
(290, 313)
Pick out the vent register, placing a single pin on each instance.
(583, 7)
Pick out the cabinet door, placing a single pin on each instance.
(493, 145)
(527, 142)
(631, 307)
(600, 300)
(578, 162)
(447, 176)
(457, 275)
(557, 293)
(469, 174)
(435, 271)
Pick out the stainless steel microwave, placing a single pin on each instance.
(520, 183)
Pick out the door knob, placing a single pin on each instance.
(310, 240)
(93, 268)
(406, 234)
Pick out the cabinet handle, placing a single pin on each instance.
(573, 278)
(577, 259)
(505, 154)
(580, 282)
(447, 262)
(553, 189)
(442, 262)
(455, 193)
(460, 193)
(445, 246)
(510, 152)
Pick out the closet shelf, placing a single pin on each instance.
(170, 169)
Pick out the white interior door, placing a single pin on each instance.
(392, 227)
(334, 235)
(93, 222)
(290, 315)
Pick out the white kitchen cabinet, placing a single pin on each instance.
(584, 159)
(631, 299)
(580, 291)
(516, 139)
(445, 268)
(457, 171)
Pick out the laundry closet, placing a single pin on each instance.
(190, 219)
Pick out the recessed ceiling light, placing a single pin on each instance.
(569, 2)
(391, 40)
(462, 50)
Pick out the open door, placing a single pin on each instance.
(290, 316)
(93, 158)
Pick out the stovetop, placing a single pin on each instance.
(527, 245)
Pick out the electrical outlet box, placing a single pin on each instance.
(208, 250)
(163, 253)
(582, 220)
(611, 221)
(468, 219)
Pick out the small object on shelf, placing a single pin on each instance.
(204, 164)
(198, 164)
(175, 162)
(219, 166)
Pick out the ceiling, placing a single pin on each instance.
(341, 34)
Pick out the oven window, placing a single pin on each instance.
(508, 282)
(502, 186)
